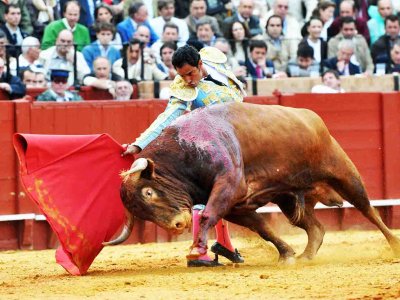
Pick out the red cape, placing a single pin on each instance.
(75, 182)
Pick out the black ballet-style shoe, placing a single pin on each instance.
(203, 263)
(234, 257)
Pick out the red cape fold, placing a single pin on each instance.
(74, 179)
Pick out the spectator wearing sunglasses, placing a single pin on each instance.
(58, 90)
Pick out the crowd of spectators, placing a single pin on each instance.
(103, 43)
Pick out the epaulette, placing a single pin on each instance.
(213, 55)
(181, 90)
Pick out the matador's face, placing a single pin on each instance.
(190, 74)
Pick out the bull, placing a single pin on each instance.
(235, 158)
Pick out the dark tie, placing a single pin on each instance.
(15, 38)
(209, 78)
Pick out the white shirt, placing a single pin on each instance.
(17, 32)
(51, 60)
(158, 26)
(317, 49)
(64, 20)
(23, 62)
(324, 89)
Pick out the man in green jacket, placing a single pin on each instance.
(71, 14)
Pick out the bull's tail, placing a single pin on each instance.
(292, 205)
(299, 209)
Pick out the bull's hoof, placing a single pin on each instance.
(234, 257)
(203, 263)
(305, 257)
(287, 261)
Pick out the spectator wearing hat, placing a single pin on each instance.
(58, 90)
(11, 84)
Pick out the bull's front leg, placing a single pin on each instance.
(222, 198)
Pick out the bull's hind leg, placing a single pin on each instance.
(315, 231)
(352, 189)
(258, 224)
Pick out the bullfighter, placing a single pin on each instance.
(203, 79)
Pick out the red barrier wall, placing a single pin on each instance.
(366, 125)
(355, 121)
(361, 125)
(7, 159)
(391, 151)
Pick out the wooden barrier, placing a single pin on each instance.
(385, 83)
(152, 89)
(267, 87)
(366, 125)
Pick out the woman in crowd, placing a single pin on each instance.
(325, 12)
(314, 39)
(104, 13)
(238, 36)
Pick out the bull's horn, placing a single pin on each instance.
(126, 231)
(138, 165)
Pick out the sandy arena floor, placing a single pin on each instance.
(349, 265)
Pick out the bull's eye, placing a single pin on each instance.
(147, 193)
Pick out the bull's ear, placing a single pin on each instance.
(149, 171)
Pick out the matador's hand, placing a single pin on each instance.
(130, 149)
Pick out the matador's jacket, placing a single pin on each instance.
(185, 98)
